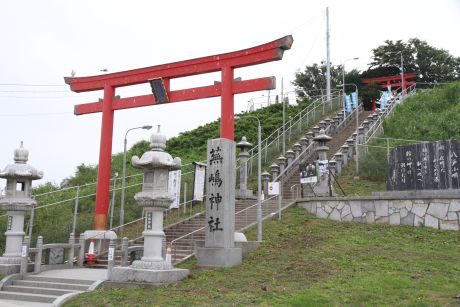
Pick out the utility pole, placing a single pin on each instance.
(284, 116)
(328, 60)
(402, 76)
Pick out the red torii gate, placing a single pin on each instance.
(394, 81)
(226, 63)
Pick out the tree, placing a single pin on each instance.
(312, 81)
(431, 64)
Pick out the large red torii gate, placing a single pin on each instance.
(225, 63)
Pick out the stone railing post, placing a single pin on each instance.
(81, 250)
(322, 125)
(351, 148)
(290, 156)
(361, 135)
(38, 255)
(274, 170)
(282, 163)
(71, 249)
(25, 255)
(124, 252)
(344, 149)
(297, 149)
(265, 179)
(338, 162)
(310, 136)
(316, 130)
(303, 143)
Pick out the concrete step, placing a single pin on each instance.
(39, 298)
(55, 285)
(35, 290)
(59, 280)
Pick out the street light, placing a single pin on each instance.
(357, 125)
(259, 177)
(343, 82)
(123, 178)
(402, 75)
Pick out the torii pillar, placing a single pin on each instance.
(225, 63)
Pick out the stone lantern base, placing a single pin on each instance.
(10, 265)
(130, 274)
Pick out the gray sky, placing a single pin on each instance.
(43, 41)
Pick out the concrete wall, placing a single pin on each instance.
(440, 212)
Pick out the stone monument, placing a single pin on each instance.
(155, 199)
(17, 201)
(243, 192)
(219, 249)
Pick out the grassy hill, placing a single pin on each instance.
(305, 261)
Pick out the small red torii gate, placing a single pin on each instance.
(393, 81)
(225, 63)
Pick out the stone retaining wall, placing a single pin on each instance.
(440, 213)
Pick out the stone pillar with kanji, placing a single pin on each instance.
(17, 201)
(219, 249)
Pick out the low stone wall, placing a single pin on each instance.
(440, 212)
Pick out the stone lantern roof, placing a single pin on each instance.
(243, 143)
(157, 157)
(322, 137)
(20, 169)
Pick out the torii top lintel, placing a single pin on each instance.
(225, 63)
(252, 56)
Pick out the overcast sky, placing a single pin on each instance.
(43, 41)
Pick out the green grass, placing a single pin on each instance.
(353, 186)
(306, 261)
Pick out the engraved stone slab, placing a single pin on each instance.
(220, 190)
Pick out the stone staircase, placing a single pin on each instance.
(334, 145)
(38, 290)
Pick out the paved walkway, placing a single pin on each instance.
(78, 273)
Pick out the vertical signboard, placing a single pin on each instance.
(198, 181)
(174, 187)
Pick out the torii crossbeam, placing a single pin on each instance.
(225, 63)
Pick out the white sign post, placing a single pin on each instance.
(174, 187)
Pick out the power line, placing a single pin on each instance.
(29, 84)
(34, 92)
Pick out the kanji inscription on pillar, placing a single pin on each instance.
(220, 191)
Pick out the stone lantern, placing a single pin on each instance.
(243, 192)
(154, 199)
(322, 188)
(17, 201)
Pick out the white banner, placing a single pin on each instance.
(273, 188)
(198, 184)
(174, 187)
